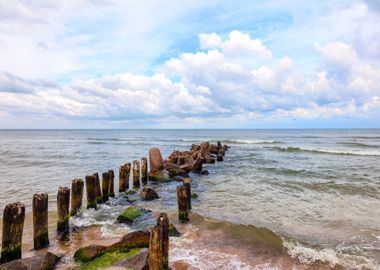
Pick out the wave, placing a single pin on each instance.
(292, 149)
(243, 141)
(358, 144)
(313, 255)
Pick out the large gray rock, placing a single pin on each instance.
(44, 261)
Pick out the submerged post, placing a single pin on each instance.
(63, 204)
(99, 198)
(40, 221)
(183, 208)
(105, 186)
(111, 176)
(136, 173)
(144, 171)
(187, 185)
(13, 225)
(77, 186)
(91, 191)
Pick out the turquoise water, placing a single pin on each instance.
(317, 190)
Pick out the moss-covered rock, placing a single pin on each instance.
(130, 214)
(88, 253)
(194, 196)
(108, 259)
(45, 261)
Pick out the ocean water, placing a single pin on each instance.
(282, 199)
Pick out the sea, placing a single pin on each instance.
(281, 199)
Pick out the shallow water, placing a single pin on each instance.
(316, 192)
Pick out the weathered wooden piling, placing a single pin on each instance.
(91, 191)
(136, 173)
(183, 207)
(99, 198)
(124, 172)
(63, 204)
(144, 171)
(163, 223)
(40, 221)
(111, 176)
(187, 185)
(105, 186)
(155, 249)
(13, 225)
(77, 186)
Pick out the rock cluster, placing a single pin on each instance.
(180, 163)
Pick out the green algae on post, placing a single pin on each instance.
(63, 204)
(40, 221)
(13, 225)
(187, 185)
(77, 186)
(183, 208)
(91, 191)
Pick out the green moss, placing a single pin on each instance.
(194, 196)
(112, 194)
(10, 253)
(183, 215)
(63, 224)
(41, 240)
(108, 259)
(91, 205)
(129, 214)
(99, 199)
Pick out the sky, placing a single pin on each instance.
(189, 64)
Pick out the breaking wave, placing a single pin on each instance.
(292, 149)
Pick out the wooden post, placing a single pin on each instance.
(144, 171)
(155, 249)
(40, 221)
(124, 172)
(99, 198)
(183, 208)
(77, 186)
(187, 185)
(63, 204)
(105, 186)
(163, 223)
(136, 173)
(111, 176)
(13, 225)
(91, 191)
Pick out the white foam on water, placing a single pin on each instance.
(329, 151)
(309, 255)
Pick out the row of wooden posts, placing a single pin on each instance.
(14, 213)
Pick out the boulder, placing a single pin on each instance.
(44, 261)
(204, 172)
(156, 163)
(130, 214)
(136, 239)
(133, 240)
(88, 253)
(140, 261)
(148, 194)
(159, 176)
